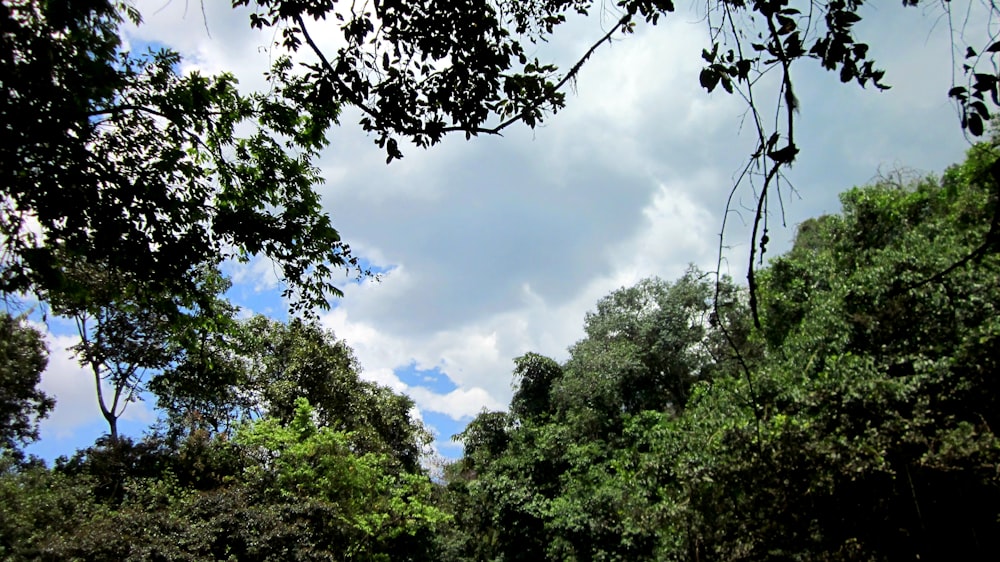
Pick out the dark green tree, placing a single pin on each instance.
(115, 160)
(23, 358)
(646, 345)
(534, 376)
(867, 434)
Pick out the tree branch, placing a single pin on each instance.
(496, 130)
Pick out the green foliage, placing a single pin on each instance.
(262, 367)
(485, 438)
(553, 479)
(534, 375)
(858, 425)
(277, 491)
(36, 505)
(855, 425)
(23, 357)
(114, 160)
(283, 481)
(874, 368)
(645, 346)
(300, 460)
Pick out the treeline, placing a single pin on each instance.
(270, 448)
(855, 424)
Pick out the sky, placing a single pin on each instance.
(498, 246)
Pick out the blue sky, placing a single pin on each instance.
(498, 246)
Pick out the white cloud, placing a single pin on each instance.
(261, 273)
(71, 385)
(674, 228)
(476, 356)
(457, 404)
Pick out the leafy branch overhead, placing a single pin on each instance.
(419, 69)
(116, 160)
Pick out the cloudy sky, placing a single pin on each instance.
(498, 246)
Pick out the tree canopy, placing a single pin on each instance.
(419, 70)
(857, 425)
(119, 161)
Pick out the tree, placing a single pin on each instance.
(23, 357)
(37, 506)
(431, 70)
(646, 345)
(534, 376)
(120, 342)
(262, 367)
(380, 510)
(871, 425)
(127, 331)
(555, 478)
(271, 491)
(115, 160)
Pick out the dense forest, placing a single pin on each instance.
(857, 425)
(839, 406)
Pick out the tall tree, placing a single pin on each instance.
(646, 345)
(128, 332)
(554, 478)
